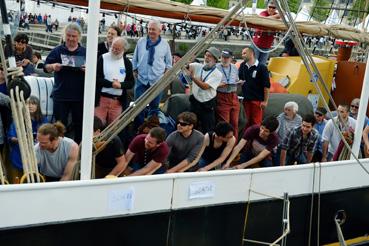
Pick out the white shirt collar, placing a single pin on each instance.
(255, 64)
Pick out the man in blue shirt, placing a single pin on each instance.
(320, 123)
(67, 61)
(366, 140)
(151, 59)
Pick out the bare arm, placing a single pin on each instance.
(120, 167)
(235, 152)
(225, 153)
(179, 167)
(197, 81)
(325, 151)
(266, 98)
(73, 156)
(261, 156)
(283, 157)
(54, 67)
(149, 169)
(366, 139)
(309, 156)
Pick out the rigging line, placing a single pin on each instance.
(267, 195)
(304, 55)
(312, 205)
(319, 191)
(247, 208)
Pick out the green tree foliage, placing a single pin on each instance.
(358, 5)
(319, 13)
(294, 5)
(222, 4)
(183, 1)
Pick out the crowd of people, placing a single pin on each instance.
(206, 136)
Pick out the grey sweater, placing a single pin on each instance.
(182, 148)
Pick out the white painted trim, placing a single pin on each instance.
(31, 204)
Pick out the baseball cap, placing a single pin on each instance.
(227, 53)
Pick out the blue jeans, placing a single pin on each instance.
(300, 159)
(248, 155)
(153, 108)
(261, 56)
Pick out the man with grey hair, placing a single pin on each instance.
(206, 78)
(114, 77)
(151, 59)
(67, 61)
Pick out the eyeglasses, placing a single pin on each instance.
(354, 106)
(272, 7)
(183, 123)
(319, 114)
(21, 41)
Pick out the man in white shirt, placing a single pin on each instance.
(331, 137)
(206, 79)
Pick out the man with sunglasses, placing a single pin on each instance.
(184, 143)
(264, 39)
(354, 109)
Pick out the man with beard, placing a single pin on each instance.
(206, 79)
(151, 59)
(147, 153)
(255, 89)
(69, 80)
(104, 47)
(114, 77)
(228, 106)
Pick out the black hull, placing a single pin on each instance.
(214, 225)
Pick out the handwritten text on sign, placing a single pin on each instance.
(121, 200)
(201, 190)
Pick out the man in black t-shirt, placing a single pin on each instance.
(110, 161)
(255, 88)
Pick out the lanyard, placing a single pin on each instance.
(229, 74)
(204, 79)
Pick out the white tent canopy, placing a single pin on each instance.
(198, 3)
(304, 14)
(333, 18)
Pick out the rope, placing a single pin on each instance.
(311, 206)
(24, 135)
(267, 195)
(319, 190)
(247, 209)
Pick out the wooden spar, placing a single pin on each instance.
(175, 10)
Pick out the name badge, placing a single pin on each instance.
(254, 74)
(122, 70)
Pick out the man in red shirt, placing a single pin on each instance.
(147, 153)
(263, 39)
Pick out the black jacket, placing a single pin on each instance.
(101, 82)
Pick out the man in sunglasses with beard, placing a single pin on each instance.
(184, 144)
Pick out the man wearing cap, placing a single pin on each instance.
(206, 79)
(255, 88)
(320, 123)
(228, 107)
(264, 39)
